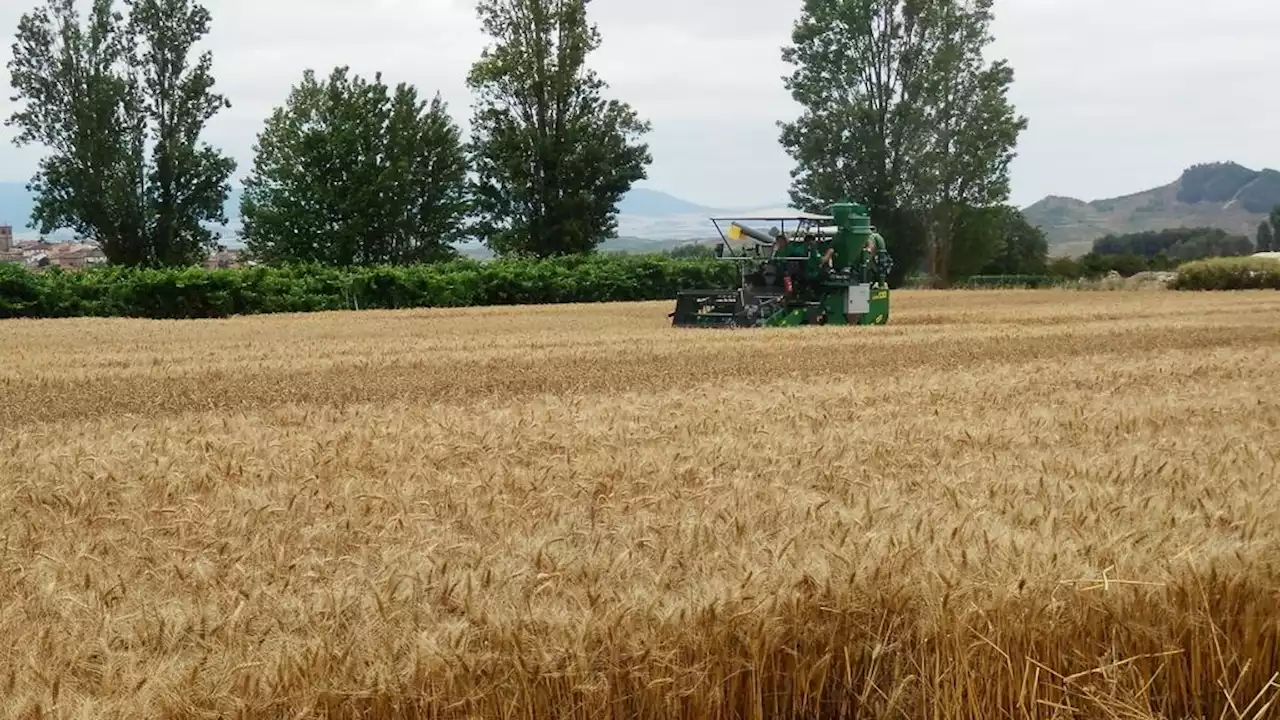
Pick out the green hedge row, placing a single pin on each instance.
(201, 293)
(1010, 281)
(1229, 273)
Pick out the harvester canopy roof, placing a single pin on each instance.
(783, 215)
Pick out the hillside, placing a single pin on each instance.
(1221, 195)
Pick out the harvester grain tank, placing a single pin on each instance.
(826, 270)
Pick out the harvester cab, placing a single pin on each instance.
(807, 269)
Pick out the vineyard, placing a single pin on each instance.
(1004, 504)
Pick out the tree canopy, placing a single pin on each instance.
(121, 105)
(1265, 240)
(350, 172)
(552, 156)
(1177, 244)
(900, 112)
(1019, 247)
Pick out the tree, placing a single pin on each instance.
(973, 126)
(121, 108)
(692, 251)
(1021, 248)
(1268, 235)
(552, 157)
(976, 235)
(1094, 264)
(1064, 266)
(901, 113)
(348, 172)
(1175, 244)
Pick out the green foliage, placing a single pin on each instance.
(552, 157)
(1262, 194)
(1266, 237)
(1177, 244)
(973, 129)
(976, 236)
(348, 172)
(904, 232)
(1235, 273)
(1127, 264)
(1214, 182)
(1065, 267)
(200, 293)
(1011, 280)
(996, 242)
(1094, 265)
(120, 108)
(694, 250)
(1021, 248)
(901, 113)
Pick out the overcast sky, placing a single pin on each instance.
(1120, 94)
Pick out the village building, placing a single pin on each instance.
(39, 254)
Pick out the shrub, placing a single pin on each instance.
(1229, 273)
(1127, 264)
(1010, 281)
(201, 293)
(1065, 267)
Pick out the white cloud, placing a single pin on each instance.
(1120, 94)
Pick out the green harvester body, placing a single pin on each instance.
(827, 270)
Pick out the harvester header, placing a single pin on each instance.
(807, 269)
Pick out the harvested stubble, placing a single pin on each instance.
(1023, 504)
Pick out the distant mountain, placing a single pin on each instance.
(643, 202)
(1223, 195)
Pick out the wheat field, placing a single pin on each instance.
(1004, 504)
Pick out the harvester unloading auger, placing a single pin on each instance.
(828, 270)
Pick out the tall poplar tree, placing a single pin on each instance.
(552, 157)
(900, 112)
(120, 105)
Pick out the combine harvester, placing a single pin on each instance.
(827, 270)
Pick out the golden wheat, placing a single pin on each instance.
(1004, 504)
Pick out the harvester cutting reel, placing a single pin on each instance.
(830, 269)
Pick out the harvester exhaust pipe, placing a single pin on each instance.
(736, 231)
